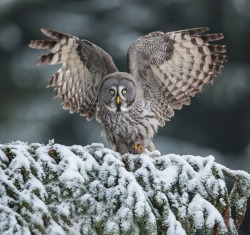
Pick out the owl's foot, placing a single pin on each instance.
(138, 148)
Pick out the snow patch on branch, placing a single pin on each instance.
(56, 189)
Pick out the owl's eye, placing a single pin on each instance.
(112, 91)
(124, 91)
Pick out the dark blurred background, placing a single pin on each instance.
(218, 120)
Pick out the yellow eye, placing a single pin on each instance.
(124, 91)
(112, 91)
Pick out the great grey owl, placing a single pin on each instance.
(164, 71)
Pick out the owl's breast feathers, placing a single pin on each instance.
(136, 123)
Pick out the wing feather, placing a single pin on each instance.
(83, 66)
(174, 66)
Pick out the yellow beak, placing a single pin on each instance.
(118, 99)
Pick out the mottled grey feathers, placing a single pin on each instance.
(166, 69)
(83, 66)
(174, 66)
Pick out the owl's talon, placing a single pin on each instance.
(138, 148)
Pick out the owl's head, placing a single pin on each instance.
(117, 91)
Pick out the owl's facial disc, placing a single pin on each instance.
(118, 95)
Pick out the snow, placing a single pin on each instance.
(174, 225)
(200, 208)
(57, 189)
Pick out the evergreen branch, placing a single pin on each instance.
(54, 189)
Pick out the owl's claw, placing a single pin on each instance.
(138, 148)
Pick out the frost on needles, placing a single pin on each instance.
(54, 189)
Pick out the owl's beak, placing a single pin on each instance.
(118, 100)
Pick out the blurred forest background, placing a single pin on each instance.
(218, 120)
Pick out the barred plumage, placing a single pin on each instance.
(164, 71)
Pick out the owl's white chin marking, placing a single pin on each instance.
(123, 109)
(118, 109)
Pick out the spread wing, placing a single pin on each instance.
(174, 66)
(83, 66)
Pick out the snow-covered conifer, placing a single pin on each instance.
(54, 189)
